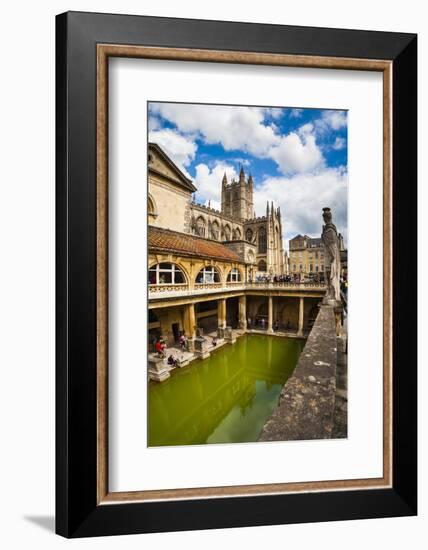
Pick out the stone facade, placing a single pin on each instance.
(169, 192)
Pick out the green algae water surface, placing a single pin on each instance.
(223, 399)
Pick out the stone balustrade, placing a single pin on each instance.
(166, 290)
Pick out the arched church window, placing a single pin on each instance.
(262, 243)
(208, 274)
(262, 266)
(234, 276)
(249, 235)
(227, 233)
(236, 234)
(200, 226)
(166, 274)
(215, 230)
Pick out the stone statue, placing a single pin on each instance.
(330, 241)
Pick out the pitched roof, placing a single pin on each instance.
(165, 240)
(180, 178)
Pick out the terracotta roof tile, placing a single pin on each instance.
(165, 240)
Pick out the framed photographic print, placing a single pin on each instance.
(236, 265)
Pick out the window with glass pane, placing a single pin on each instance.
(234, 276)
(262, 241)
(166, 274)
(208, 274)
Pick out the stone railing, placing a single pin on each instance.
(166, 290)
(207, 286)
(305, 408)
(283, 284)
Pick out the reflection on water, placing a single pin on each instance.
(224, 399)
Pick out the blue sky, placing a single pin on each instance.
(297, 157)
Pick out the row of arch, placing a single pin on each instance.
(212, 230)
(169, 273)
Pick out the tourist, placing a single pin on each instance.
(161, 348)
(214, 341)
(263, 322)
(172, 361)
(276, 326)
(249, 322)
(183, 342)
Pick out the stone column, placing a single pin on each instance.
(301, 316)
(222, 313)
(270, 314)
(243, 312)
(189, 320)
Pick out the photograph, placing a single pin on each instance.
(247, 218)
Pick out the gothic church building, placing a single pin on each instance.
(256, 242)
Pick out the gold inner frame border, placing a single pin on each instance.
(104, 52)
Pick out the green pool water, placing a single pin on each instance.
(225, 398)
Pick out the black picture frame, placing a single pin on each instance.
(77, 511)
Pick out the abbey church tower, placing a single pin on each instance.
(237, 197)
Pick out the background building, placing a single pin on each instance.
(306, 255)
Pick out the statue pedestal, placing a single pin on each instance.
(158, 369)
(327, 301)
(201, 348)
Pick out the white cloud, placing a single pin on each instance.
(274, 112)
(302, 198)
(296, 113)
(297, 153)
(339, 143)
(235, 128)
(208, 181)
(245, 129)
(331, 120)
(181, 149)
(153, 123)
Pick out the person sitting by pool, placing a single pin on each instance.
(214, 342)
(173, 361)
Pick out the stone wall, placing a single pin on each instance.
(305, 408)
